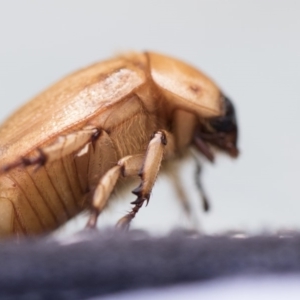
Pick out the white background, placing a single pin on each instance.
(251, 49)
(236, 288)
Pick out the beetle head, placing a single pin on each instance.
(221, 132)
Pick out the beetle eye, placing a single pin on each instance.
(222, 131)
(226, 123)
(223, 124)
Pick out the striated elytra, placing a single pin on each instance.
(66, 150)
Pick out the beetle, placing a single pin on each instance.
(66, 150)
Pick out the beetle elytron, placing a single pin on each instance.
(65, 150)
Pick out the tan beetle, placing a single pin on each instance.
(65, 150)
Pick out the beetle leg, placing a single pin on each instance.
(151, 165)
(184, 124)
(70, 143)
(62, 146)
(199, 186)
(127, 166)
(198, 182)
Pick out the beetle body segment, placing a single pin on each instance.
(65, 150)
(185, 86)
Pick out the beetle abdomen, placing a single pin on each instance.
(42, 199)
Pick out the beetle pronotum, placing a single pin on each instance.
(65, 150)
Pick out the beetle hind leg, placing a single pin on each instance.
(60, 147)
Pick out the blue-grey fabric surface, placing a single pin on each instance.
(99, 263)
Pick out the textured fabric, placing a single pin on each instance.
(98, 263)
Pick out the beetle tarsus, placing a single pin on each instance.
(124, 223)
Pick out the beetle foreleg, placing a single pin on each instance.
(157, 148)
(127, 166)
(184, 124)
(150, 167)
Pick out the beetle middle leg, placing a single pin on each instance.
(127, 166)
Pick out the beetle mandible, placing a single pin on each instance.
(65, 150)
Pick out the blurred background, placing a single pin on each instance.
(250, 48)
